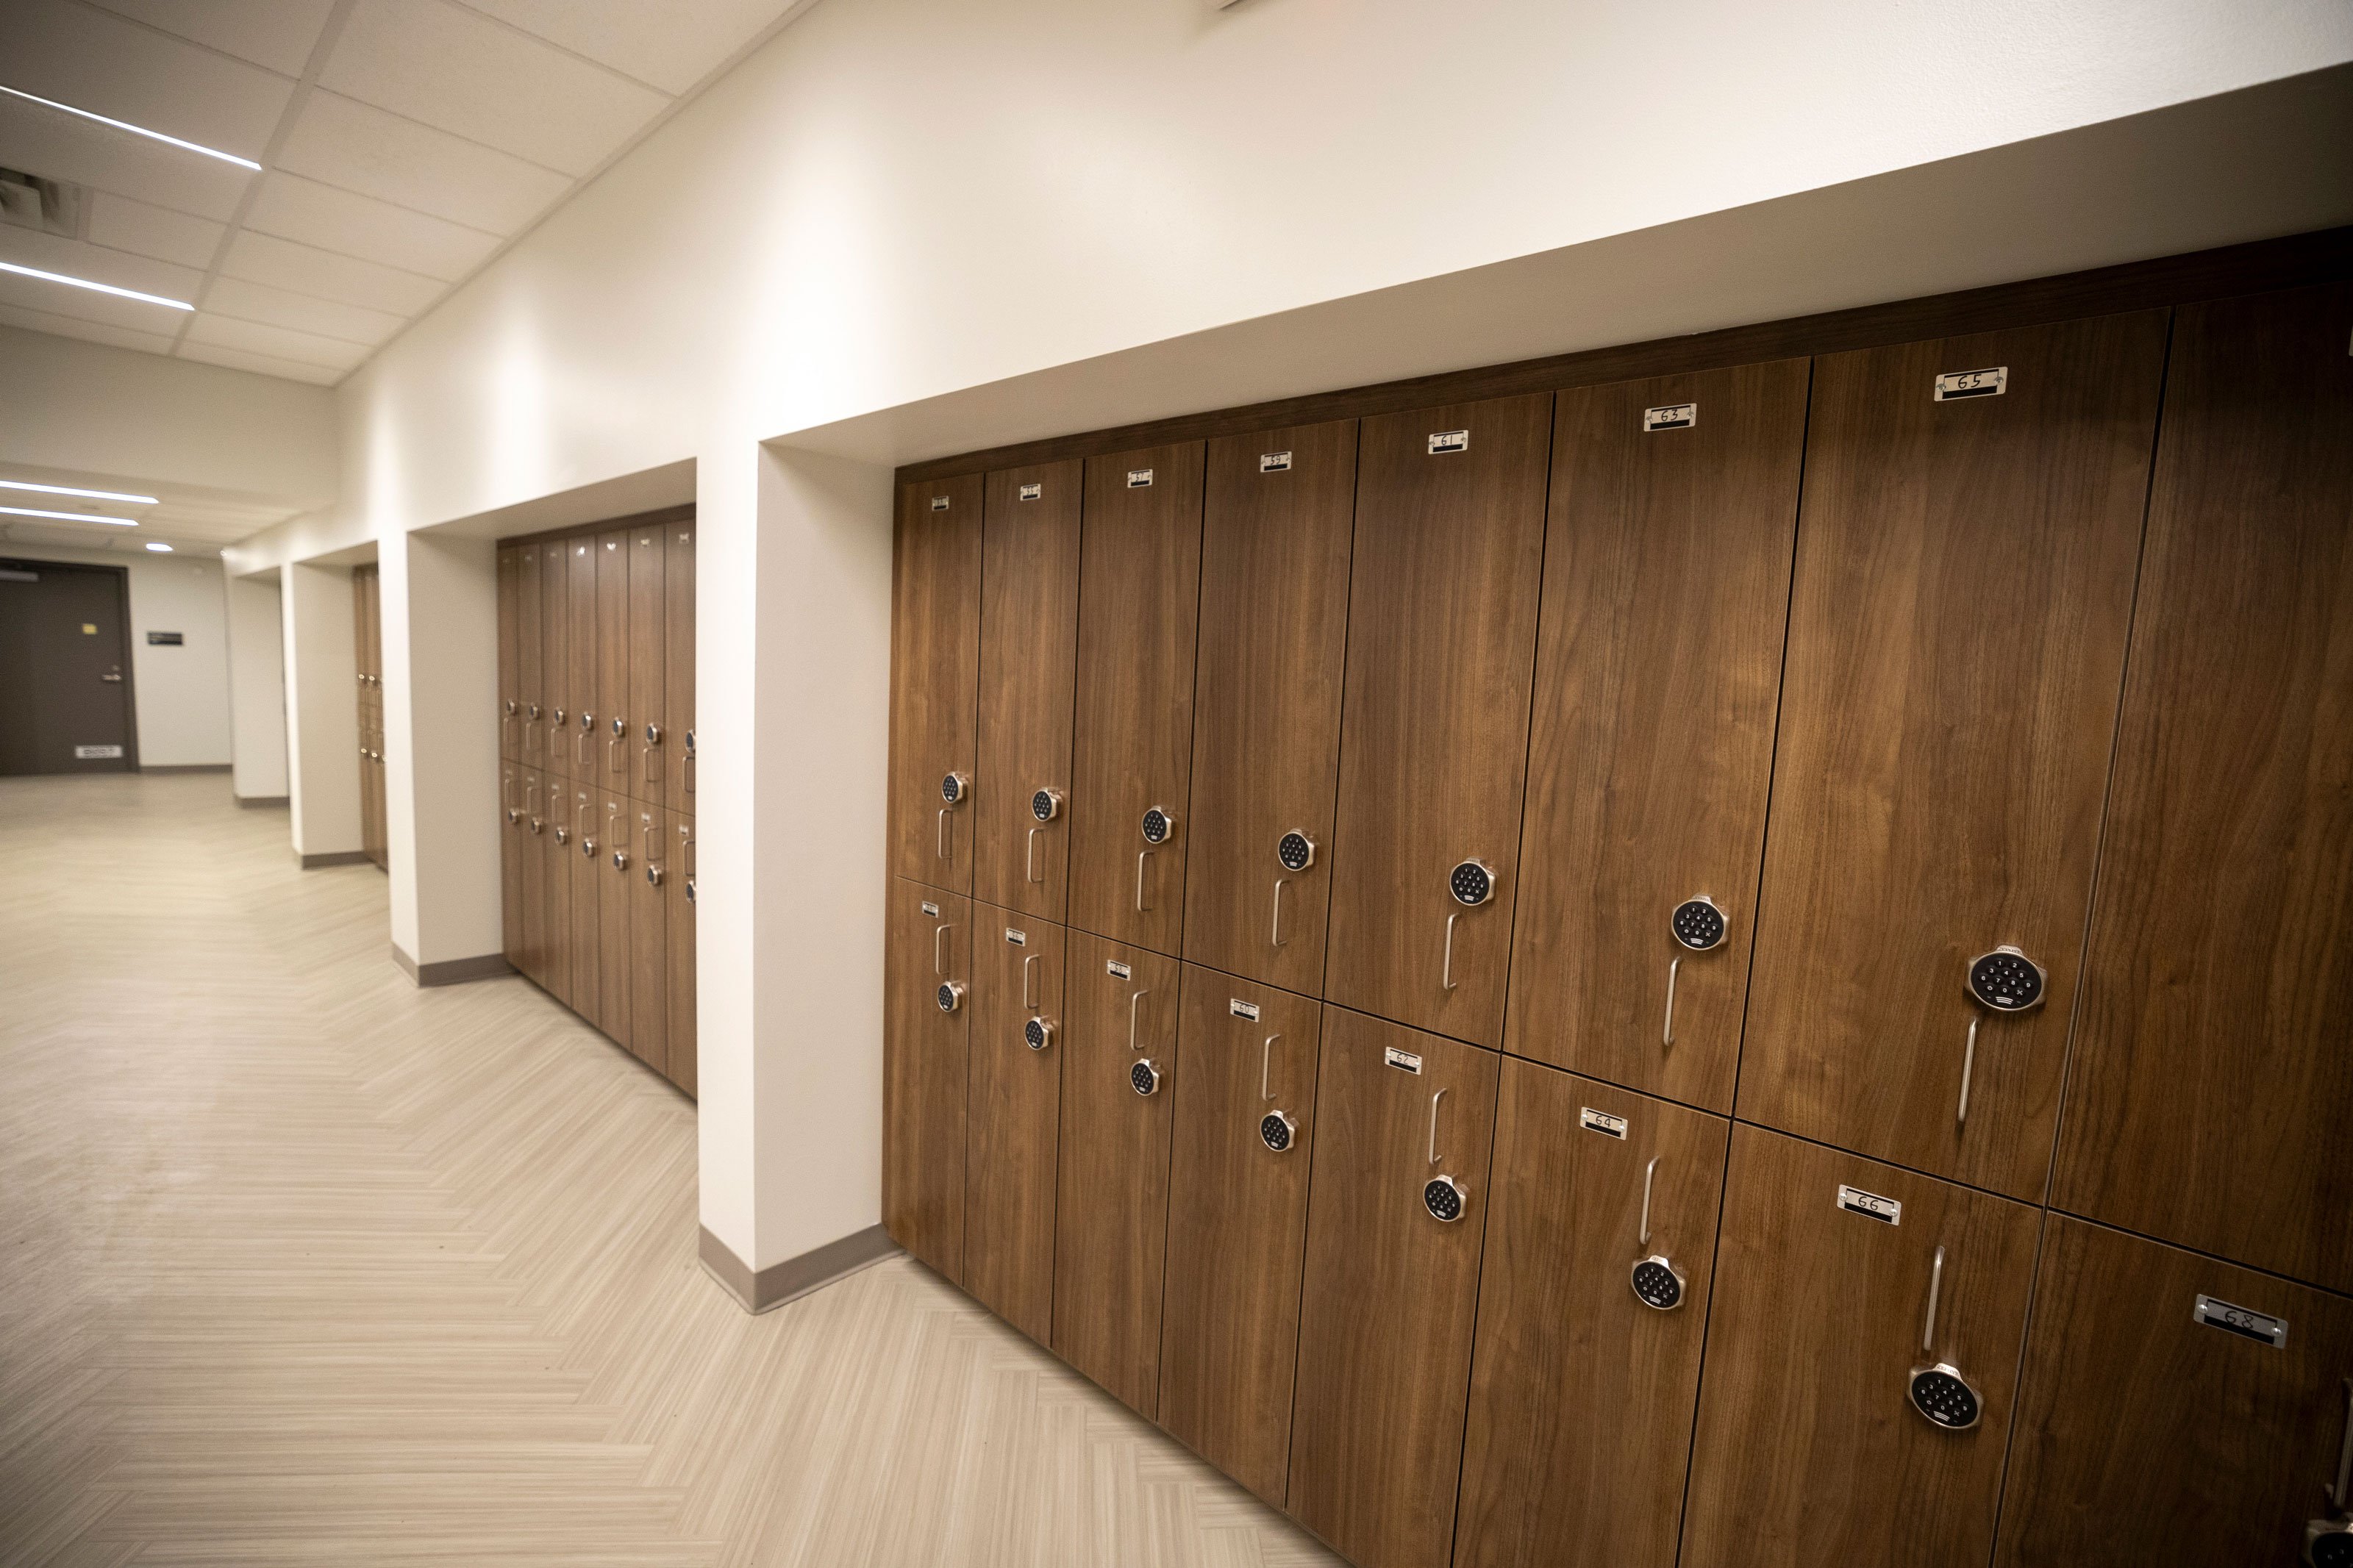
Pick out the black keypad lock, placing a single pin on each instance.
(1038, 1034)
(954, 788)
(1658, 1284)
(2006, 981)
(950, 996)
(1276, 1129)
(1159, 827)
(1144, 1079)
(1471, 882)
(1699, 924)
(1295, 850)
(1443, 1197)
(1941, 1394)
(2329, 1543)
(1046, 804)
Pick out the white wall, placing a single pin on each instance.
(323, 715)
(257, 691)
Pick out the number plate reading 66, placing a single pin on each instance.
(1118, 970)
(2239, 1321)
(1871, 1206)
(1241, 1009)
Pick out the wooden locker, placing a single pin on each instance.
(512, 835)
(610, 753)
(934, 681)
(1582, 1390)
(1449, 543)
(580, 608)
(616, 819)
(677, 662)
(1808, 1449)
(649, 738)
(586, 913)
(1964, 583)
(927, 1011)
(1132, 733)
(1390, 1291)
(2158, 1422)
(530, 650)
(2206, 1103)
(510, 711)
(1278, 514)
(650, 937)
(1666, 591)
(684, 1063)
(1028, 654)
(555, 655)
(554, 844)
(1238, 1224)
(1014, 1104)
(535, 875)
(1111, 1215)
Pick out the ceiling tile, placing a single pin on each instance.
(266, 364)
(671, 47)
(279, 343)
(95, 60)
(277, 34)
(120, 222)
(64, 147)
(96, 331)
(306, 270)
(459, 70)
(292, 207)
(343, 143)
(80, 258)
(282, 308)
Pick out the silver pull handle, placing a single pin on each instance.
(1141, 856)
(580, 828)
(1265, 1061)
(1029, 966)
(646, 837)
(653, 755)
(1648, 1171)
(1030, 859)
(1434, 1099)
(1935, 1288)
(1274, 937)
(580, 746)
(940, 948)
(2337, 1494)
(1446, 978)
(1667, 1034)
(1133, 1002)
(1969, 1066)
(943, 832)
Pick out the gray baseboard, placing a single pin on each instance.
(264, 802)
(184, 768)
(332, 857)
(778, 1283)
(452, 970)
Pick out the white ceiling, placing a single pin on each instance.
(403, 143)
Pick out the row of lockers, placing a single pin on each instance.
(1817, 741)
(367, 638)
(596, 658)
(1445, 1304)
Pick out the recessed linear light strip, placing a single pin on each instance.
(70, 491)
(71, 516)
(136, 130)
(101, 288)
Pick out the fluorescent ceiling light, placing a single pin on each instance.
(137, 129)
(159, 545)
(70, 490)
(69, 516)
(101, 288)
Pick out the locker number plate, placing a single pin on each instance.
(2239, 1321)
(1991, 381)
(939, 503)
(1404, 1061)
(1113, 967)
(1441, 441)
(1241, 1009)
(1017, 938)
(1671, 417)
(1871, 1206)
(90, 753)
(1031, 493)
(931, 909)
(1273, 462)
(1600, 1121)
(1139, 479)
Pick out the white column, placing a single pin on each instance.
(322, 716)
(257, 689)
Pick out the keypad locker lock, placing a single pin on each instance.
(2002, 981)
(1144, 1073)
(1698, 926)
(2328, 1542)
(1442, 1197)
(955, 788)
(1277, 1128)
(1294, 852)
(1159, 829)
(1658, 1283)
(1045, 805)
(1944, 1398)
(1471, 884)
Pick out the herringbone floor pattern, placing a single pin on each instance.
(300, 1264)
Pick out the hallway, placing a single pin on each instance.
(304, 1265)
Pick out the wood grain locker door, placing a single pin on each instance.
(1132, 736)
(535, 875)
(648, 880)
(2151, 1429)
(1015, 1107)
(1243, 1139)
(1028, 655)
(936, 680)
(648, 737)
(678, 663)
(580, 607)
(928, 1005)
(554, 843)
(1391, 1292)
(580, 861)
(1809, 1450)
(1111, 1215)
(509, 714)
(2207, 1102)
(615, 866)
(1673, 513)
(530, 650)
(683, 1062)
(1278, 518)
(1579, 1434)
(1434, 728)
(1964, 583)
(514, 834)
(555, 655)
(611, 750)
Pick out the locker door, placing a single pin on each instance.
(512, 835)
(935, 680)
(1673, 513)
(530, 650)
(649, 738)
(678, 663)
(928, 1010)
(1279, 513)
(1111, 1218)
(510, 713)
(554, 843)
(2158, 1422)
(2207, 1101)
(1808, 1449)
(1592, 1310)
(1449, 542)
(534, 876)
(684, 1063)
(1391, 1289)
(1015, 1105)
(1132, 763)
(611, 752)
(1029, 653)
(579, 746)
(1963, 586)
(649, 939)
(1244, 1137)
(615, 865)
(580, 871)
(555, 655)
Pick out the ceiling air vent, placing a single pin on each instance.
(52, 206)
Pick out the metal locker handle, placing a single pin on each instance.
(1936, 1288)
(1446, 978)
(1265, 1061)
(1434, 1099)
(1030, 859)
(1648, 1171)
(580, 828)
(1969, 1066)
(946, 852)
(1141, 856)
(1667, 1034)
(653, 753)
(1274, 936)
(580, 745)
(1133, 1002)
(531, 799)
(2338, 1493)
(939, 947)
(1029, 966)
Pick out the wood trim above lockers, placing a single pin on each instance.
(682, 513)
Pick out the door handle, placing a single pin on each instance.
(1649, 1172)
(1141, 856)
(1936, 1288)
(580, 742)
(1030, 859)
(1274, 936)
(653, 753)
(686, 766)
(1968, 1066)
(1446, 977)
(940, 947)
(1434, 1099)
(1266, 1061)
(942, 833)
(530, 796)
(580, 829)
(1028, 967)
(1667, 1034)
(1134, 1001)
(2337, 1494)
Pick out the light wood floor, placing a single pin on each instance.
(300, 1264)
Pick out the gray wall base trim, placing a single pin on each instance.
(265, 802)
(452, 970)
(796, 1277)
(184, 768)
(332, 857)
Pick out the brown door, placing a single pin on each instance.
(555, 655)
(928, 1005)
(1593, 1312)
(531, 652)
(935, 680)
(1964, 582)
(509, 654)
(1111, 1218)
(363, 640)
(678, 663)
(1015, 1105)
(586, 914)
(579, 745)
(514, 835)
(684, 1063)
(1808, 1449)
(610, 752)
(1278, 514)
(2159, 1421)
(1243, 1139)
(65, 643)
(535, 875)
(649, 738)
(1132, 762)
(2207, 1101)
(1406, 1121)
(649, 880)
(1028, 651)
(554, 843)
(1673, 511)
(616, 864)
(1434, 732)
